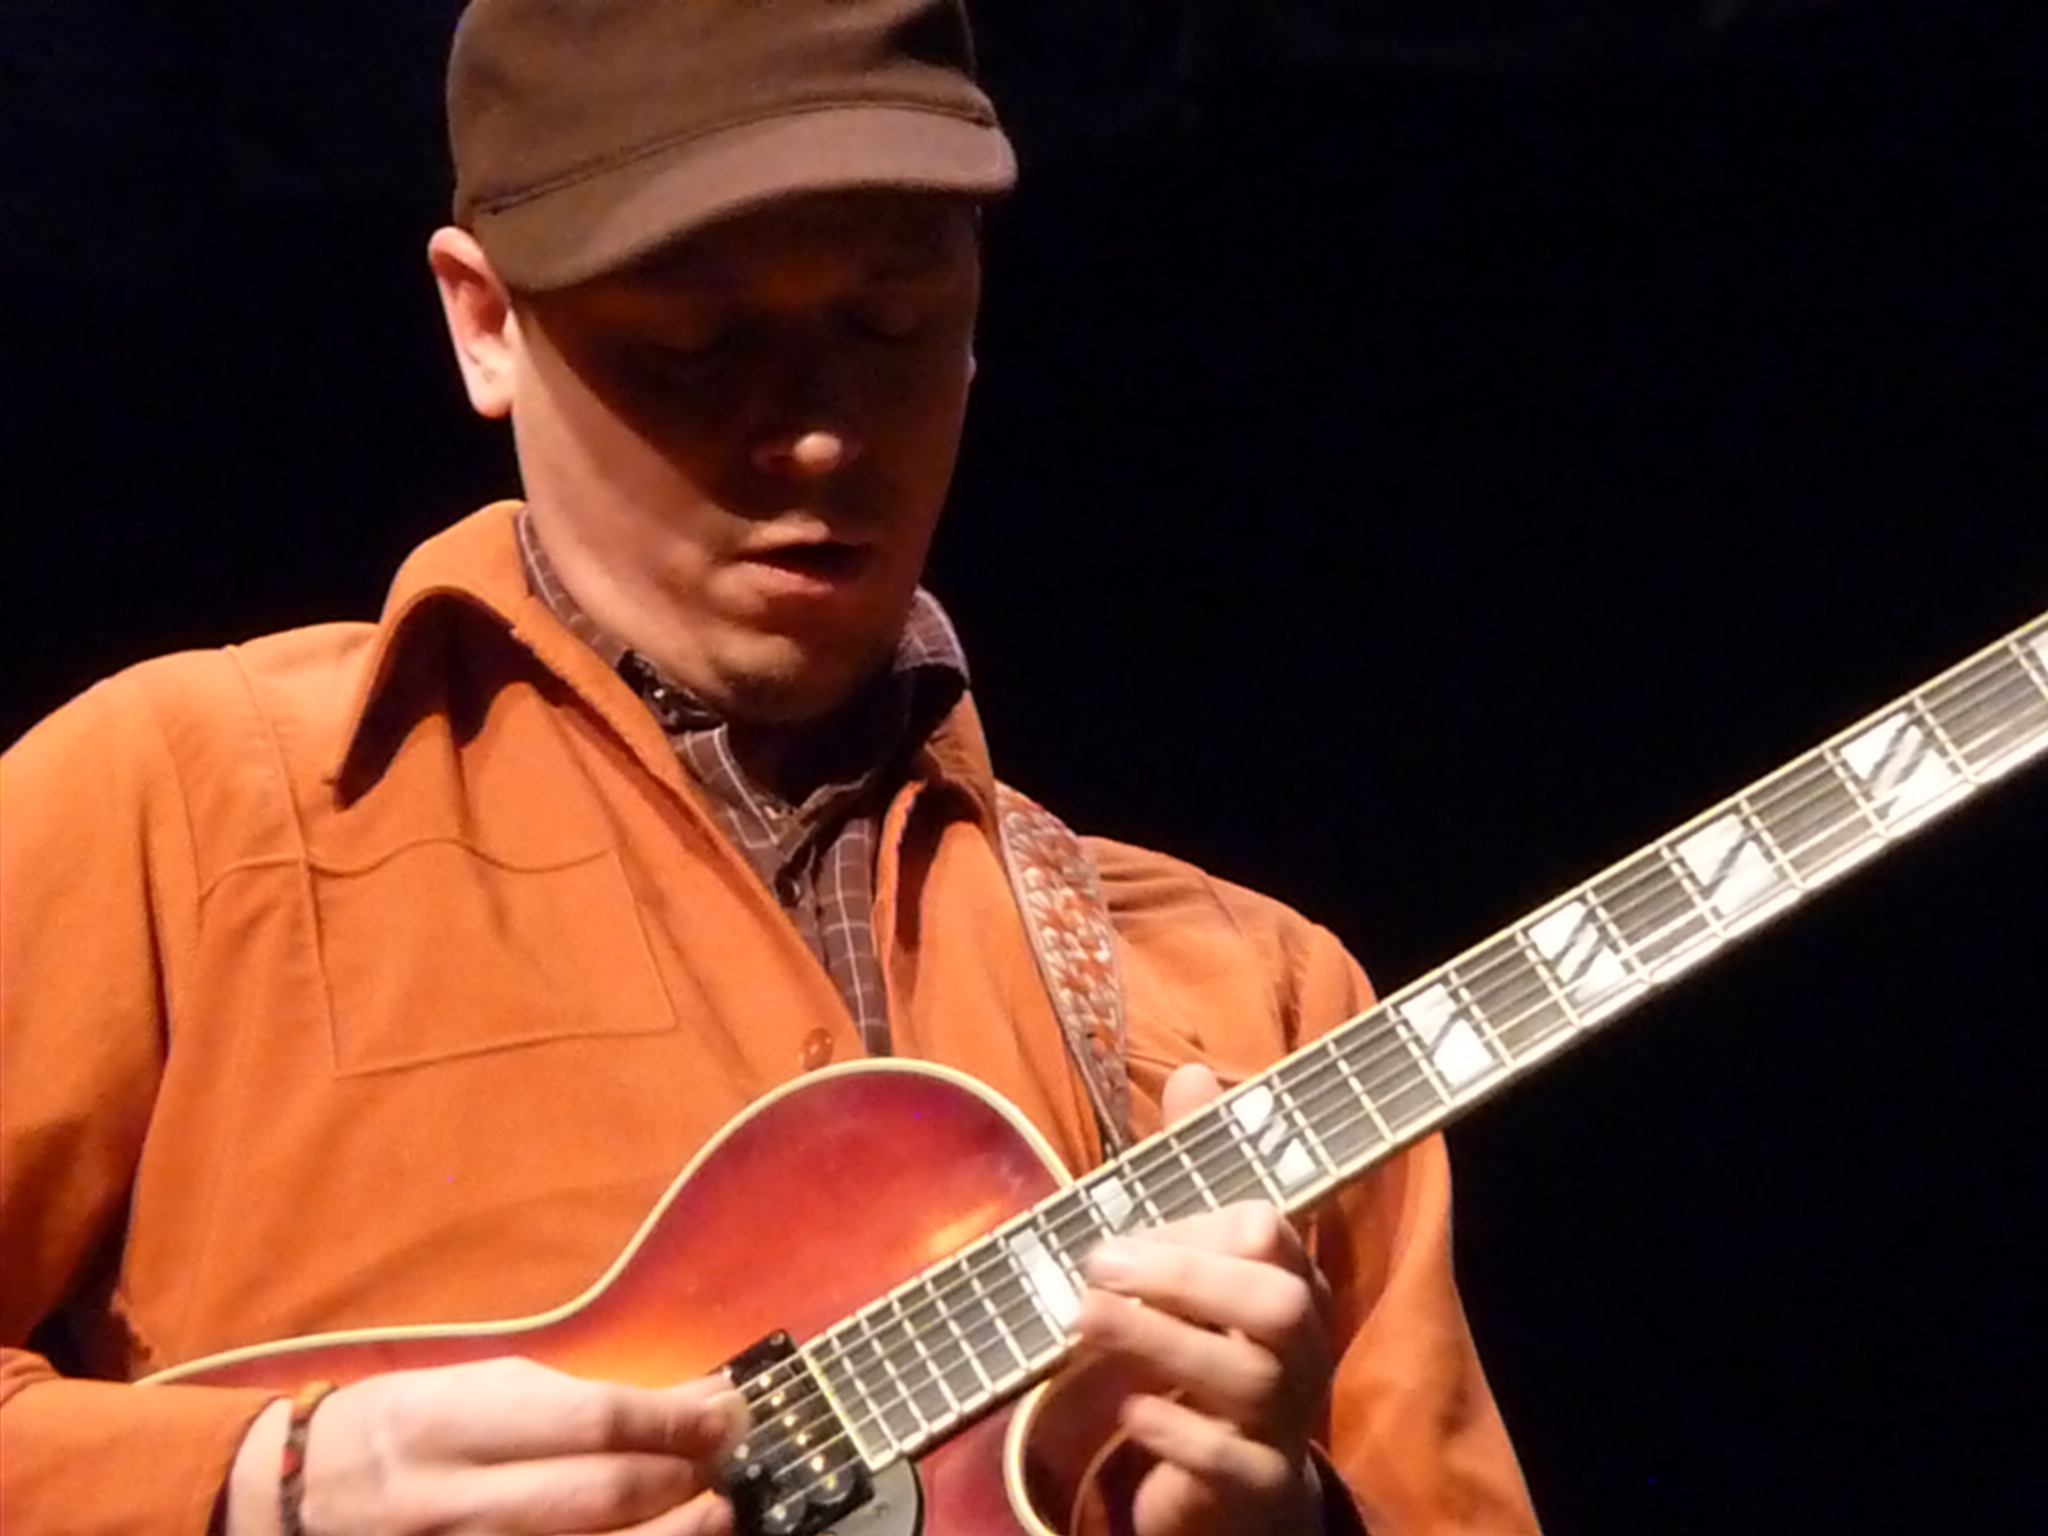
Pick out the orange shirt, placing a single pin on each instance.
(383, 974)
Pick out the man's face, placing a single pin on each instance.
(742, 447)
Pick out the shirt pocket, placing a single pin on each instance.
(438, 950)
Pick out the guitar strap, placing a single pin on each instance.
(1061, 899)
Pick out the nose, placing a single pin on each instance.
(810, 453)
(804, 422)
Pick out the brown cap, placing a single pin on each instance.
(588, 133)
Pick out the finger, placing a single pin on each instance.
(1188, 1089)
(1221, 1373)
(1209, 1448)
(1249, 1229)
(577, 1493)
(1240, 1268)
(705, 1515)
(515, 1410)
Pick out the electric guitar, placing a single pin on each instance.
(885, 1386)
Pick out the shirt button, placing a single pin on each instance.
(817, 1049)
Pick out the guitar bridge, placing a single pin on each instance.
(798, 1471)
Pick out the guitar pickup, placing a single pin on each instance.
(797, 1471)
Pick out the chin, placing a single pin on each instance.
(794, 684)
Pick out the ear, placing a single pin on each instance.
(482, 324)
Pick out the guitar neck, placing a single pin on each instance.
(972, 1331)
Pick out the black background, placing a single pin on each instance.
(1418, 457)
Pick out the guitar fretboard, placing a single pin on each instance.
(974, 1330)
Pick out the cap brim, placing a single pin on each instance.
(614, 217)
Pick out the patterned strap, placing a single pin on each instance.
(1068, 920)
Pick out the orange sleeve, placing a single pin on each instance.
(1217, 973)
(95, 882)
(1413, 1424)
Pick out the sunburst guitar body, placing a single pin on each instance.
(819, 1202)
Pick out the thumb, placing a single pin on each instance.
(1187, 1090)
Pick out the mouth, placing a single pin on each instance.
(820, 562)
(810, 570)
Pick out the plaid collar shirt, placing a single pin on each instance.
(817, 857)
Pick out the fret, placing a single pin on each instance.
(1141, 1170)
(1005, 1323)
(927, 1323)
(1738, 875)
(897, 1352)
(1989, 709)
(1465, 977)
(1172, 1182)
(1111, 1200)
(2039, 647)
(1923, 716)
(1291, 1101)
(914, 1401)
(1558, 998)
(1154, 1177)
(1321, 1096)
(1396, 1082)
(1446, 1035)
(1249, 1160)
(1367, 1127)
(1661, 914)
(1148, 1201)
(987, 1329)
(1226, 1170)
(869, 1360)
(1814, 817)
(859, 1409)
(1898, 770)
(1516, 996)
(1054, 1299)
(1067, 1226)
(804, 1408)
(1587, 965)
(867, 1397)
(1272, 1140)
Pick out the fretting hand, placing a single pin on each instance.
(1228, 1339)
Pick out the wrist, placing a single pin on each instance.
(249, 1501)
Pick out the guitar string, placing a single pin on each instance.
(876, 1408)
(1196, 1154)
(974, 1266)
(1617, 892)
(810, 1393)
(1198, 1149)
(781, 1376)
(1954, 712)
(1503, 1013)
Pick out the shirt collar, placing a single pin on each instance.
(480, 563)
(895, 714)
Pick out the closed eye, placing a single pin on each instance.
(684, 361)
(891, 319)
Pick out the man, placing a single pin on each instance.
(362, 976)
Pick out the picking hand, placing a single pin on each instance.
(1228, 1334)
(501, 1446)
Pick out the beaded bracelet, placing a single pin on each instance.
(291, 1478)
